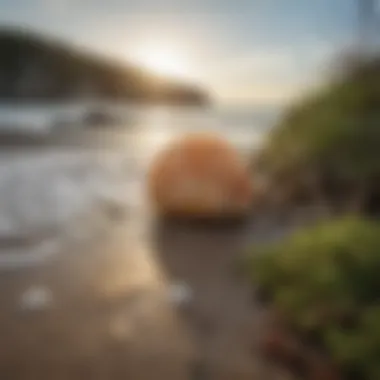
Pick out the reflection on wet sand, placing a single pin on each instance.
(108, 318)
(103, 308)
(111, 314)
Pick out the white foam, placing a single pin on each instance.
(43, 197)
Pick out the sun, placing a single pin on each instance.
(164, 61)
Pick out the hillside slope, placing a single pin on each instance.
(36, 68)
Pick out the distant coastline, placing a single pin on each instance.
(35, 69)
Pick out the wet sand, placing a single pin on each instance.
(109, 315)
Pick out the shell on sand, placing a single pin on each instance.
(200, 175)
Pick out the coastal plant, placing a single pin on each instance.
(326, 146)
(324, 282)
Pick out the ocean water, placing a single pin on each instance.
(55, 194)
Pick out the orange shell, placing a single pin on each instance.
(200, 175)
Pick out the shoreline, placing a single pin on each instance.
(109, 313)
(98, 286)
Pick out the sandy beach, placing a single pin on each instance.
(96, 285)
(103, 306)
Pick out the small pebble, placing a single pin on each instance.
(36, 298)
(180, 294)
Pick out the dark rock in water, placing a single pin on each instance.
(14, 241)
(100, 118)
(62, 124)
(12, 138)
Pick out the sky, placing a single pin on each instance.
(242, 51)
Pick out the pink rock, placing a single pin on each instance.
(200, 175)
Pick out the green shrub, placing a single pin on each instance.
(326, 281)
(329, 142)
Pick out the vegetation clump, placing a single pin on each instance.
(326, 147)
(324, 282)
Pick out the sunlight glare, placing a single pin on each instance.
(164, 61)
